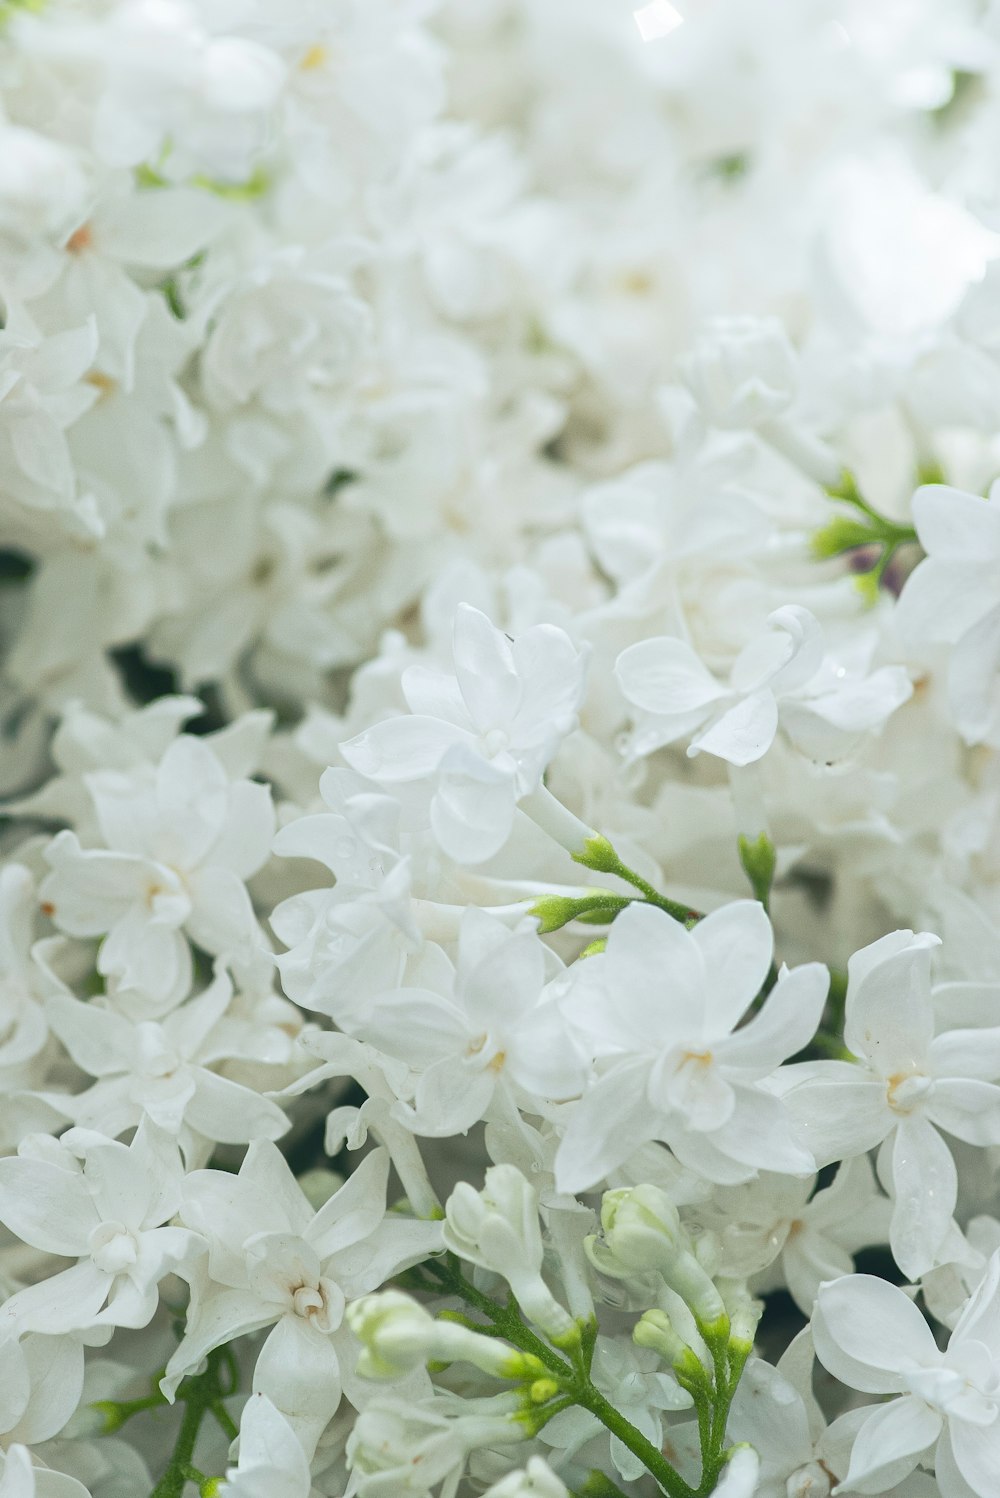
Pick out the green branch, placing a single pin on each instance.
(866, 528)
(572, 1376)
(201, 1395)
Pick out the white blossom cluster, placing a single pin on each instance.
(500, 727)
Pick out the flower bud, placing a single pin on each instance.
(642, 1227)
(498, 1229)
(655, 1329)
(742, 371)
(397, 1335)
(643, 1232)
(744, 1313)
(555, 911)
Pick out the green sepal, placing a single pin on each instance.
(842, 533)
(759, 859)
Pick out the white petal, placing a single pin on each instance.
(485, 670)
(450, 1098)
(967, 1108)
(943, 599)
(56, 1368)
(761, 1132)
(787, 1022)
(610, 1122)
(666, 676)
(974, 680)
(402, 749)
(99, 1041)
(192, 797)
(967, 1053)
(230, 1113)
(735, 943)
(840, 1108)
(889, 1015)
(953, 523)
(925, 1188)
(744, 733)
(300, 1371)
(891, 1442)
(47, 1207)
(868, 1334)
(472, 812)
(267, 1442)
(353, 1212)
(244, 842)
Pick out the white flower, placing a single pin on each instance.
(274, 1261)
(398, 1446)
(110, 1215)
(42, 186)
(909, 1083)
(659, 1010)
(785, 677)
(871, 1336)
(632, 1378)
(179, 844)
(351, 941)
(775, 1229)
(953, 598)
(169, 81)
(161, 1070)
(482, 738)
(489, 1025)
(293, 330)
(742, 371)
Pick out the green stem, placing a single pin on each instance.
(599, 855)
(670, 1480)
(682, 913)
(572, 1380)
(225, 1420)
(883, 528)
(117, 1411)
(199, 1395)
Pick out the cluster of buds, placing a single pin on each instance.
(498, 1229)
(642, 1235)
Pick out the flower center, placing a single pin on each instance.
(815, 1480)
(494, 742)
(906, 1090)
(481, 1046)
(307, 1300)
(112, 1247)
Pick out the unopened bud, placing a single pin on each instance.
(398, 1335)
(655, 1329)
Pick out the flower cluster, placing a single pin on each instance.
(500, 711)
